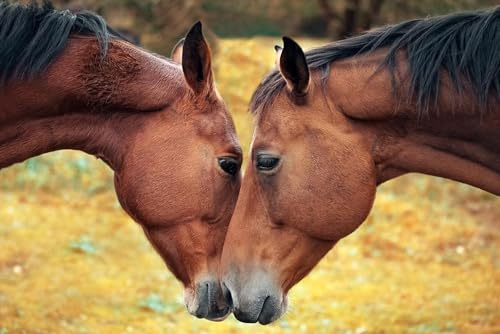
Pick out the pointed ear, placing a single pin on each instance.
(293, 67)
(196, 60)
(176, 54)
(278, 50)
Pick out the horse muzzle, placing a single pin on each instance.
(207, 301)
(257, 299)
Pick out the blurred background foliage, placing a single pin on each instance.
(425, 261)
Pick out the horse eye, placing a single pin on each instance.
(267, 162)
(229, 165)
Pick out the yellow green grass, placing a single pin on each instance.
(425, 261)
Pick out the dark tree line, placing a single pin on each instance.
(354, 17)
(160, 23)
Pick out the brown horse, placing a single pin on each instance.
(68, 82)
(421, 96)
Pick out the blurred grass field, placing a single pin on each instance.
(425, 261)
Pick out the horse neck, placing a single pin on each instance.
(461, 148)
(84, 104)
(453, 140)
(102, 136)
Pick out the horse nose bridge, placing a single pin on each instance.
(239, 253)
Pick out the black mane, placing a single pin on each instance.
(465, 45)
(32, 36)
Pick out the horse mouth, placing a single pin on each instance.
(219, 315)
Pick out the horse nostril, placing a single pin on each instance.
(227, 295)
(268, 311)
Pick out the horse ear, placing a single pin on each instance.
(176, 54)
(196, 60)
(293, 67)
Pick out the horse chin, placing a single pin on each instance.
(220, 316)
